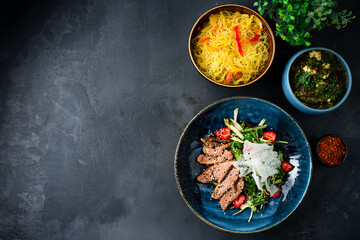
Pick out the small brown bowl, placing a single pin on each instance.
(233, 8)
(322, 160)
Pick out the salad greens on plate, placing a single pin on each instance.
(262, 168)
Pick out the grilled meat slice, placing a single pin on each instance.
(211, 139)
(212, 144)
(215, 172)
(215, 151)
(226, 184)
(232, 194)
(209, 160)
(223, 170)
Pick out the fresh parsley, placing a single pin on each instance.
(296, 18)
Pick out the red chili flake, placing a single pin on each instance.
(332, 150)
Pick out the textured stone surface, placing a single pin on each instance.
(94, 96)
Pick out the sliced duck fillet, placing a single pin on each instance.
(215, 151)
(209, 160)
(223, 170)
(231, 194)
(216, 172)
(211, 139)
(213, 144)
(226, 184)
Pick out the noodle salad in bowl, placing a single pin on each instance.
(231, 45)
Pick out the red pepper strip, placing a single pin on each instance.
(255, 38)
(199, 28)
(228, 77)
(246, 45)
(257, 29)
(215, 29)
(237, 40)
(204, 39)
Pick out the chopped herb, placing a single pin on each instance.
(318, 79)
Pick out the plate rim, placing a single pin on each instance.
(177, 177)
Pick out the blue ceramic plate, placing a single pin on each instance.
(197, 195)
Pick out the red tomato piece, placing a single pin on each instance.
(239, 200)
(287, 167)
(277, 194)
(223, 133)
(269, 136)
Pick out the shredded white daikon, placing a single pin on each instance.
(262, 161)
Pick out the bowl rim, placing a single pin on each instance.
(272, 55)
(297, 101)
(322, 138)
(178, 148)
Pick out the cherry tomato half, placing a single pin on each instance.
(239, 200)
(223, 133)
(277, 194)
(269, 136)
(287, 167)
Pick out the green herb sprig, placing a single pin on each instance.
(296, 18)
(257, 197)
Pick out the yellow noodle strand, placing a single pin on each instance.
(218, 55)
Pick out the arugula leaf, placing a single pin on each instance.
(236, 148)
(256, 196)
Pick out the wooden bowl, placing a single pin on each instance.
(233, 8)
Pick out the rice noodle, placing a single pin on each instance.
(216, 53)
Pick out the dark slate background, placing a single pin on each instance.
(94, 96)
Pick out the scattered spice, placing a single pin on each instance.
(332, 150)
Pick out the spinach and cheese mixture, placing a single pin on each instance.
(318, 79)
